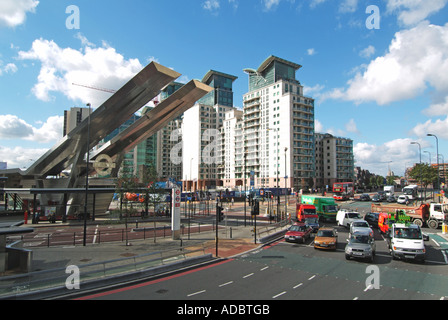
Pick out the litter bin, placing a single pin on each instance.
(444, 228)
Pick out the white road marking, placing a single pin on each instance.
(193, 294)
(225, 284)
(280, 294)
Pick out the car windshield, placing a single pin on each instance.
(353, 215)
(325, 233)
(361, 224)
(311, 220)
(297, 228)
(357, 238)
(407, 233)
(331, 208)
(309, 211)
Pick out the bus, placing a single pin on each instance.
(343, 190)
(411, 191)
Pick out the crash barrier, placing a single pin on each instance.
(273, 231)
(53, 283)
(18, 258)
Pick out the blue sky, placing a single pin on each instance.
(384, 88)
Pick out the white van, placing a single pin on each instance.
(407, 242)
(345, 217)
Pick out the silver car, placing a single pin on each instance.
(360, 245)
(360, 225)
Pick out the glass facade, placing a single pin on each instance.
(223, 94)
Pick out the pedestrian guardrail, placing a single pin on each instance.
(106, 271)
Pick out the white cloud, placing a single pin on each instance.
(348, 6)
(437, 109)
(315, 3)
(314, 91)
(11, 127)
(318, 127)
(412, 12)
(438, 127)
(416, 58)
(9, 68)
(211, 5)
(270, 4)
(395, 154)
(311, 52)
(99, 67)
(50, 131)
(13, 12)
(20, 157)
(367, 52)
(351, 126)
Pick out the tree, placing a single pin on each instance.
(425, 173)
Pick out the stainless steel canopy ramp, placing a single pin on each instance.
(154, 120)
(109, 116)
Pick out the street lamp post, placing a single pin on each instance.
(87, 179)
(429, 156)
(437, 149)
(286, 190)
(421, 178)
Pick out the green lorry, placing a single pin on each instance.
(325, 206)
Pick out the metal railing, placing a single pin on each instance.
(57, 278)
(55, 239)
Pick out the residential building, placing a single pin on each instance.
(334, 160)
(73, 118)
(278, 129)
(201, 127)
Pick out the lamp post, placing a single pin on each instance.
(277, 156)
(87, 178)
(429, 156)
(286, 190)
(421, 178)
(437, 149)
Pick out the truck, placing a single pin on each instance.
(306, 213)
(407, 242)
(326, 207)
(438, 213)
(417, 215)
(390, 190)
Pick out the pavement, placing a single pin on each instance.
(232, 241)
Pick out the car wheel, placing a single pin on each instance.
(433, 224)
(347, 257)
(418, 222)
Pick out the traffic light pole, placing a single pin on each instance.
(217, 223)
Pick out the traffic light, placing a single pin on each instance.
(220, 214)
(256, 208)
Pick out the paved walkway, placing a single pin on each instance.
(240, 241)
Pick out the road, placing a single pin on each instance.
(285, 271)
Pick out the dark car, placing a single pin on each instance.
(372, 219)
(364, 197)
(376, 198)
(391, 199)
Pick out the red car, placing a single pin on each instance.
(298, 232)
